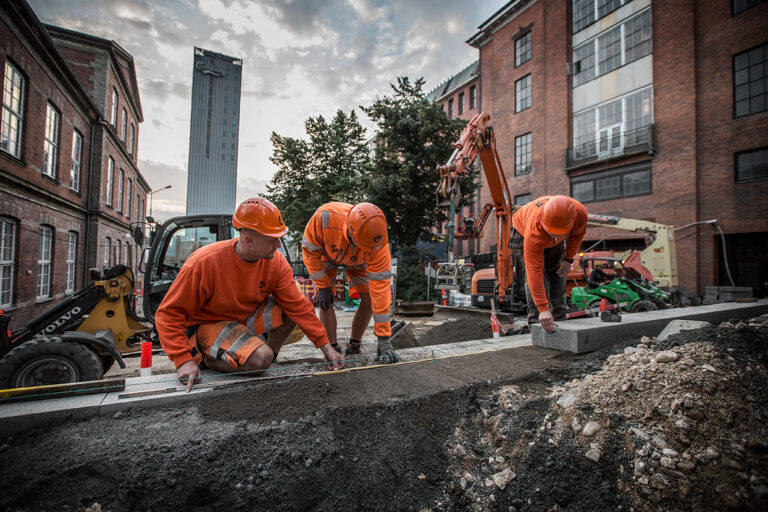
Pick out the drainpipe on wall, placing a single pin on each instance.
(88, 206)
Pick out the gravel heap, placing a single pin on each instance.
(673, 425)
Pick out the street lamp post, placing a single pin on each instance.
(151, 194)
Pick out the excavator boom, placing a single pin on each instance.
(478, 140)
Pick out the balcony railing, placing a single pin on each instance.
(612, 144)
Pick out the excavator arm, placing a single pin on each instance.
(478, 141)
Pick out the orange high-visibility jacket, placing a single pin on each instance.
(216, 285)
(326, 246)
(527, 222)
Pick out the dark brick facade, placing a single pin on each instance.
(66, 79)
(696, 131)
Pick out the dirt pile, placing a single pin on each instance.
(676, 425)
(455, 331)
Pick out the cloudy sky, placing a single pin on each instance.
(301, 58)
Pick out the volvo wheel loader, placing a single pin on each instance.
(80, 338)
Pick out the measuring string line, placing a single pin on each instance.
(173, 379)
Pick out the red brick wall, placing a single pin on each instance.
(546, 119)
(738, 207)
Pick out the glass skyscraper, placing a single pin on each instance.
(213, 133)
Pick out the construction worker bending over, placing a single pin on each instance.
(354, 237)
(540, 229)
(231, 295)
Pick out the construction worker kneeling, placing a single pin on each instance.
(353, 237)
(234, 302)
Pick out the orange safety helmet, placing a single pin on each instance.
(558, 215)
(367, 226)
(260, 215)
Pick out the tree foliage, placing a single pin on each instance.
(332, 164)
(413, 137)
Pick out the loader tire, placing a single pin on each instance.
(643, 305)
(42, 362)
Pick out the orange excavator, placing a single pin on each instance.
(478, 140)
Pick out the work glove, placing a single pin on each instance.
(324, 298)
(384, 352)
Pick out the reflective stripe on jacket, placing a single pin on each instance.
(325, 246)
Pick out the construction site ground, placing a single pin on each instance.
(646, 424)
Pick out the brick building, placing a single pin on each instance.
(63, 158)
(646, 110)
(459, 97)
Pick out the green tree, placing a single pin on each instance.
(414, 136)
(331, 165)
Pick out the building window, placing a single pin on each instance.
(752, 165)
(523, 93)
(113, 116)
(742, 5)
(118, 247)
(7, 260)
(634, 180)
(461, 103)
(586, 12)
(750, 81)
(44, 262)
(120, 180)
(609, 51)
(523, 154)
(71, 262)
(110, 180)
(138, 207)
(51, 141)
(77, 159)
(522, 199)
(107, 251)
(613, 127)
(132, 141)
(450, 108)
(128, 194)
(612, 49)
(637, 37)
(522, 49)
(124, 125)
(13, 107)
(472, 97)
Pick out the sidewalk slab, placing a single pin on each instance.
(588, 334)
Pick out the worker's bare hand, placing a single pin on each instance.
(565, 267)
(547, 321)
(333, 357)
(189, 373)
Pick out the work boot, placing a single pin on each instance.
(353, 347)
(336, 347)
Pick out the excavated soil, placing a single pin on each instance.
(673, 425)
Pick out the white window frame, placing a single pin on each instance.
(113, 116)
(107, 250)
(77, 159)
(118, 247)
(7, 260)
(50, 140)
(128, 194)
(596, 71)
(124, 125)
(71, 262)
(120, 191)
(132, 140)
(44, 254)
(519, 103)
(13, 111)
(110, 180)
(614, 140)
